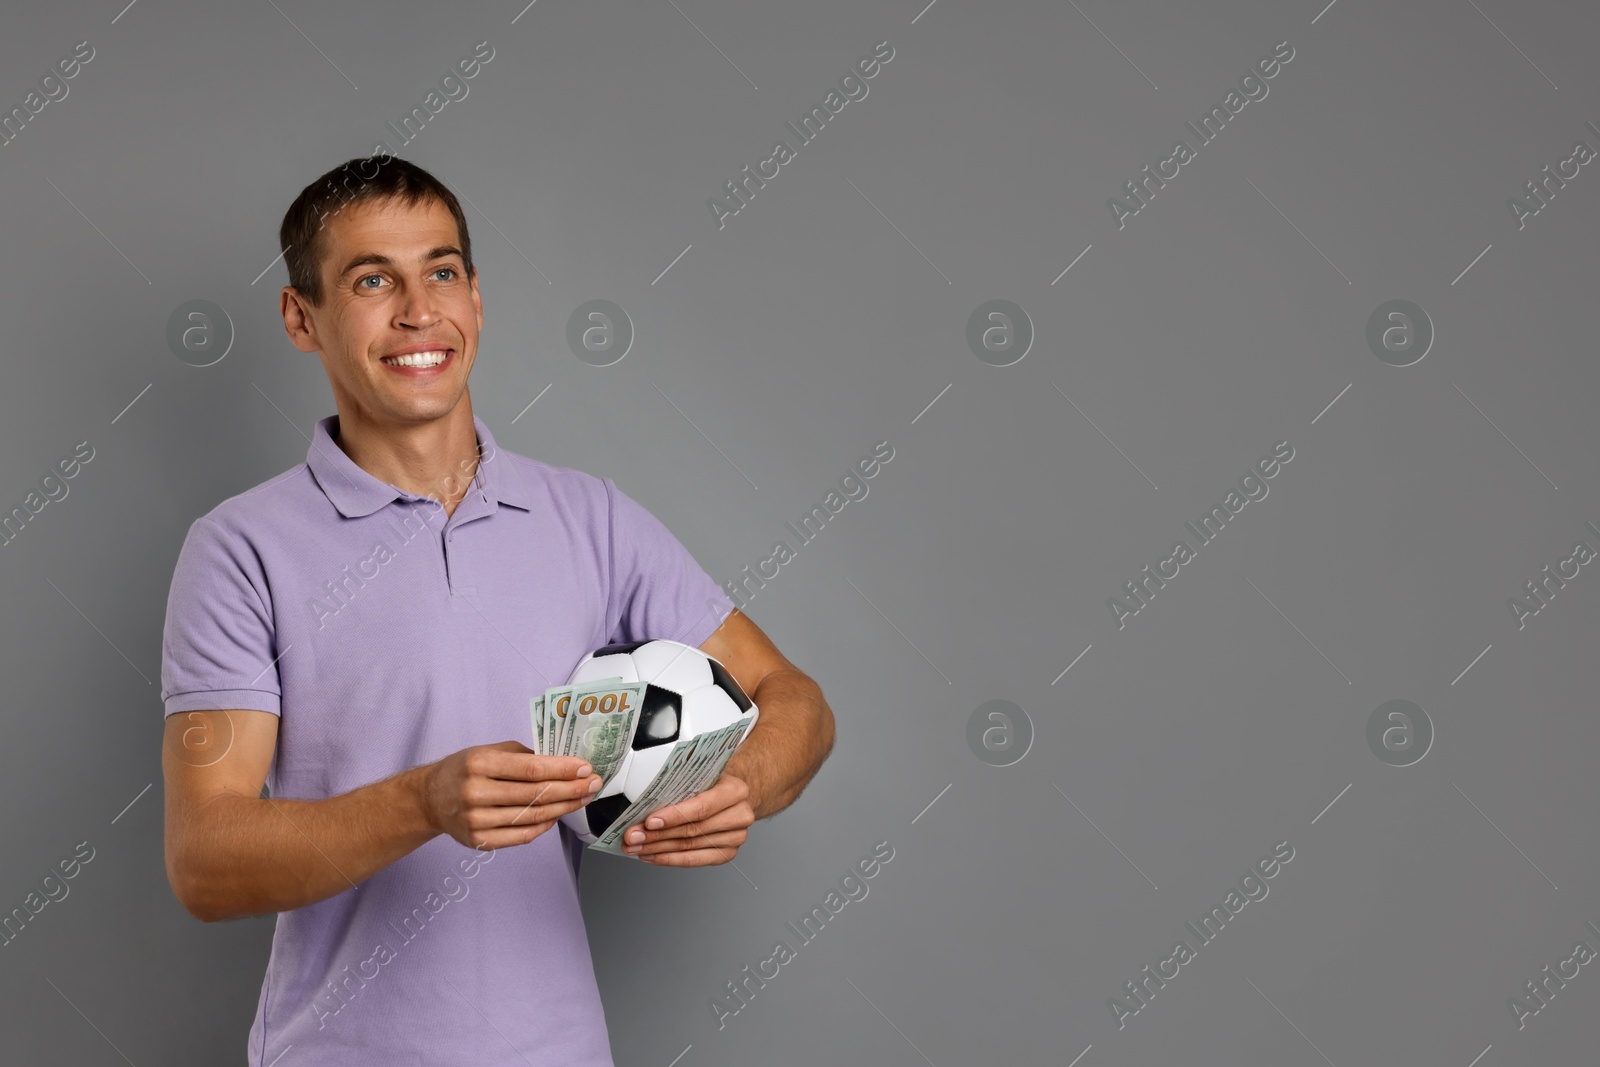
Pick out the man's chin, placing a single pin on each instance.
(417, 413)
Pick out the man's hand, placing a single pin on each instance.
(492, 796)
(699, 831)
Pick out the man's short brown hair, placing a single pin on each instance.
(375, 177)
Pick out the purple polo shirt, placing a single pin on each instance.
(383, 637)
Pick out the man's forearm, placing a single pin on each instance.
(791, 738)
(248, 856)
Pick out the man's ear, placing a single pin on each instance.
(477, 299)
(296, 322)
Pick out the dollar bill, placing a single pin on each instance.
(547, 728)
(603, 716)
(555, 714)
(611, 840)
(547, 709)
(693, 766)
(701, 772)
(536, 712)
(688, 776)
(658, 794)
(721, 744)
(676, 787)
(735, 736)
(569, 736)
(694, 770)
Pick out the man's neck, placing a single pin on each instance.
(435, 459)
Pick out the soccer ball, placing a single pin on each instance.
(688, 694)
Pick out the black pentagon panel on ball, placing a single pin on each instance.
(615, 650)
(725, 682)
(659, 716)
(603, 812)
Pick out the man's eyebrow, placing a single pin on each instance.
(366, 259)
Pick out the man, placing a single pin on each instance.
(361, 634)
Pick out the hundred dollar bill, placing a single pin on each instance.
(683, 753)
(553, 721)
(701, 761)
(715, 747)
(693, 766)
(646, 802)
(610, 840)
(604, 715)
(720, 746)
(555, 716)
(676, 788)
(536, 712)
(694, 770)
(547, 729)
(547, 717)
(569, 739)
(735, 736)
(568, 721)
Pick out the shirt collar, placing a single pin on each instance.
(356, 493)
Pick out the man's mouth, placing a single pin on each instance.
(418, 360)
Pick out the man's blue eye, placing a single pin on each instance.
(368, 278)
(452, 270)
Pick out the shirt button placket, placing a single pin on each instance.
(449, 573)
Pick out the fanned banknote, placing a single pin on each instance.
(555, 716)
(602, 718)
(693, 766)
(686, 773)
(597, 720)
(649, 800)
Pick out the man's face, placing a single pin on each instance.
(393, 284)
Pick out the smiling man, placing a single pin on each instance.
(361, 635)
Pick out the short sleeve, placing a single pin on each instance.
(218, 647)
(657, 590)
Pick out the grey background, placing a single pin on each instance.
(977, 569)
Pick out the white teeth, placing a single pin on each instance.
(416, 359)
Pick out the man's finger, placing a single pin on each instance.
(726, 792)
(498, 792)
(738, 816)
(485, 840)
(724, 839)
(520, 765)
(486, 819)
(704, 857)
(529, 813)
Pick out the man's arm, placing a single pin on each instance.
(794, 732)
(785, 751)
(230, 852)
(791, 738)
